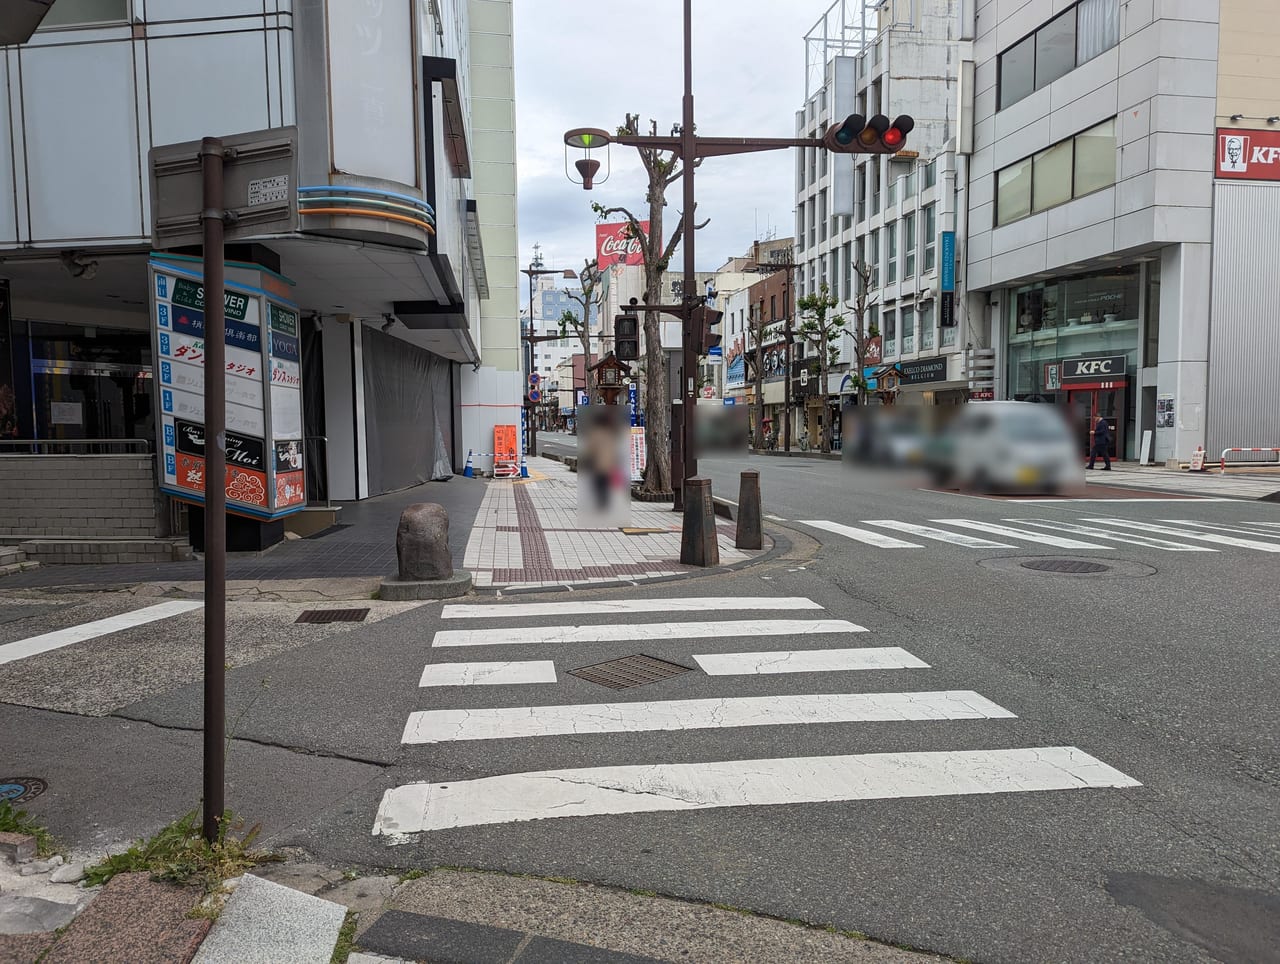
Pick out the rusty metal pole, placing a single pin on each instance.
(215, 491)
(689, 150)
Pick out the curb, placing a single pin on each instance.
(781, 545)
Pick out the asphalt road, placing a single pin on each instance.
(1163, 667)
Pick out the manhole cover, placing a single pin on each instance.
(1065, 565)
(21, 788)
(333, 616)
(621, 674)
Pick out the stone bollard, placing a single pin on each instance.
(749, 534)
(422, 551)
(699, 545)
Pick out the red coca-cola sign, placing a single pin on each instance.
(615, 245)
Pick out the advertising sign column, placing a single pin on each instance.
(262, 481)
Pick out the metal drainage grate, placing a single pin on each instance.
(21, 788)
(1065, 565)
(333, 616)
(621, 674)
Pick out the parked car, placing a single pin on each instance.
(1006, 446)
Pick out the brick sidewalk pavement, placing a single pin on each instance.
(528, 534)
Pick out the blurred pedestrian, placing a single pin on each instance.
(1101, 444)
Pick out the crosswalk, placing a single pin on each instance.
(819, 645)
(1085, 533)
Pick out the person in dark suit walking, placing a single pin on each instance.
(1101, 444)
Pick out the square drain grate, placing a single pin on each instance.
(333, 616)
(621, 674)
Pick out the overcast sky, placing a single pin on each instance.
(583, 64)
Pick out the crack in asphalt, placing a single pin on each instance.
(300, 750)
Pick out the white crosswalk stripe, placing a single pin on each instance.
(1136, 540)
(613, 633)
(592, 791)
(877, 539)
(447, 726)
(1239, 530)
(656, 786)
(1217, 538)
(489, 674)
(603, 607)
(807, 661)
(46, 642)
(939, 535)
(1058, 541)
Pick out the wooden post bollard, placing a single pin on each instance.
(749, 535)
(699, 545)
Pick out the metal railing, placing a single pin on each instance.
(1222, 460)
(76, 446)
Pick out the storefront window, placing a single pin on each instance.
(1085, 315)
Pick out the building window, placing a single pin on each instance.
(1077, 35)
(1055, 49)
(909, 247)
(1076, 167)
(1097, 28)
(1051, 177)
(908, 330)
(73, 13)
(926, 326)
(1013, 192)
(1095, 159)
(873, 257)
(930, 237)
(891, 266)
(889, 328)
(822, 215)
(874, 170)
(847, 291)
(931, 174)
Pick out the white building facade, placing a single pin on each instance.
(401, 267)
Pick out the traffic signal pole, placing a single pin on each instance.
(854, 135)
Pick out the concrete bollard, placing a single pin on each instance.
(699, 545)
(749, 534)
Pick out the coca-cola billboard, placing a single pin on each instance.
(614, 245)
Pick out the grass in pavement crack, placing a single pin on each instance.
(179, 853)
(346, 939)
(19, 821)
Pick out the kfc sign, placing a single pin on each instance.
(614, 244)
(1248, 155)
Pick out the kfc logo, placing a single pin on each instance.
(1234, 153)
(616, 244)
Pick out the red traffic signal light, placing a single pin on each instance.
(858, 135)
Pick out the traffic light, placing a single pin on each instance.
(626, 337)
(704, 322)
(857, 135)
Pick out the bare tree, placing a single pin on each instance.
(760, 333)
(822, 330)
(863, 331)
(663, 170)
(588, 298)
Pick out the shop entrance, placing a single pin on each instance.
(1086, 405)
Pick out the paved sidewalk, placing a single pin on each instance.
(1205, 484)
(528, 535)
